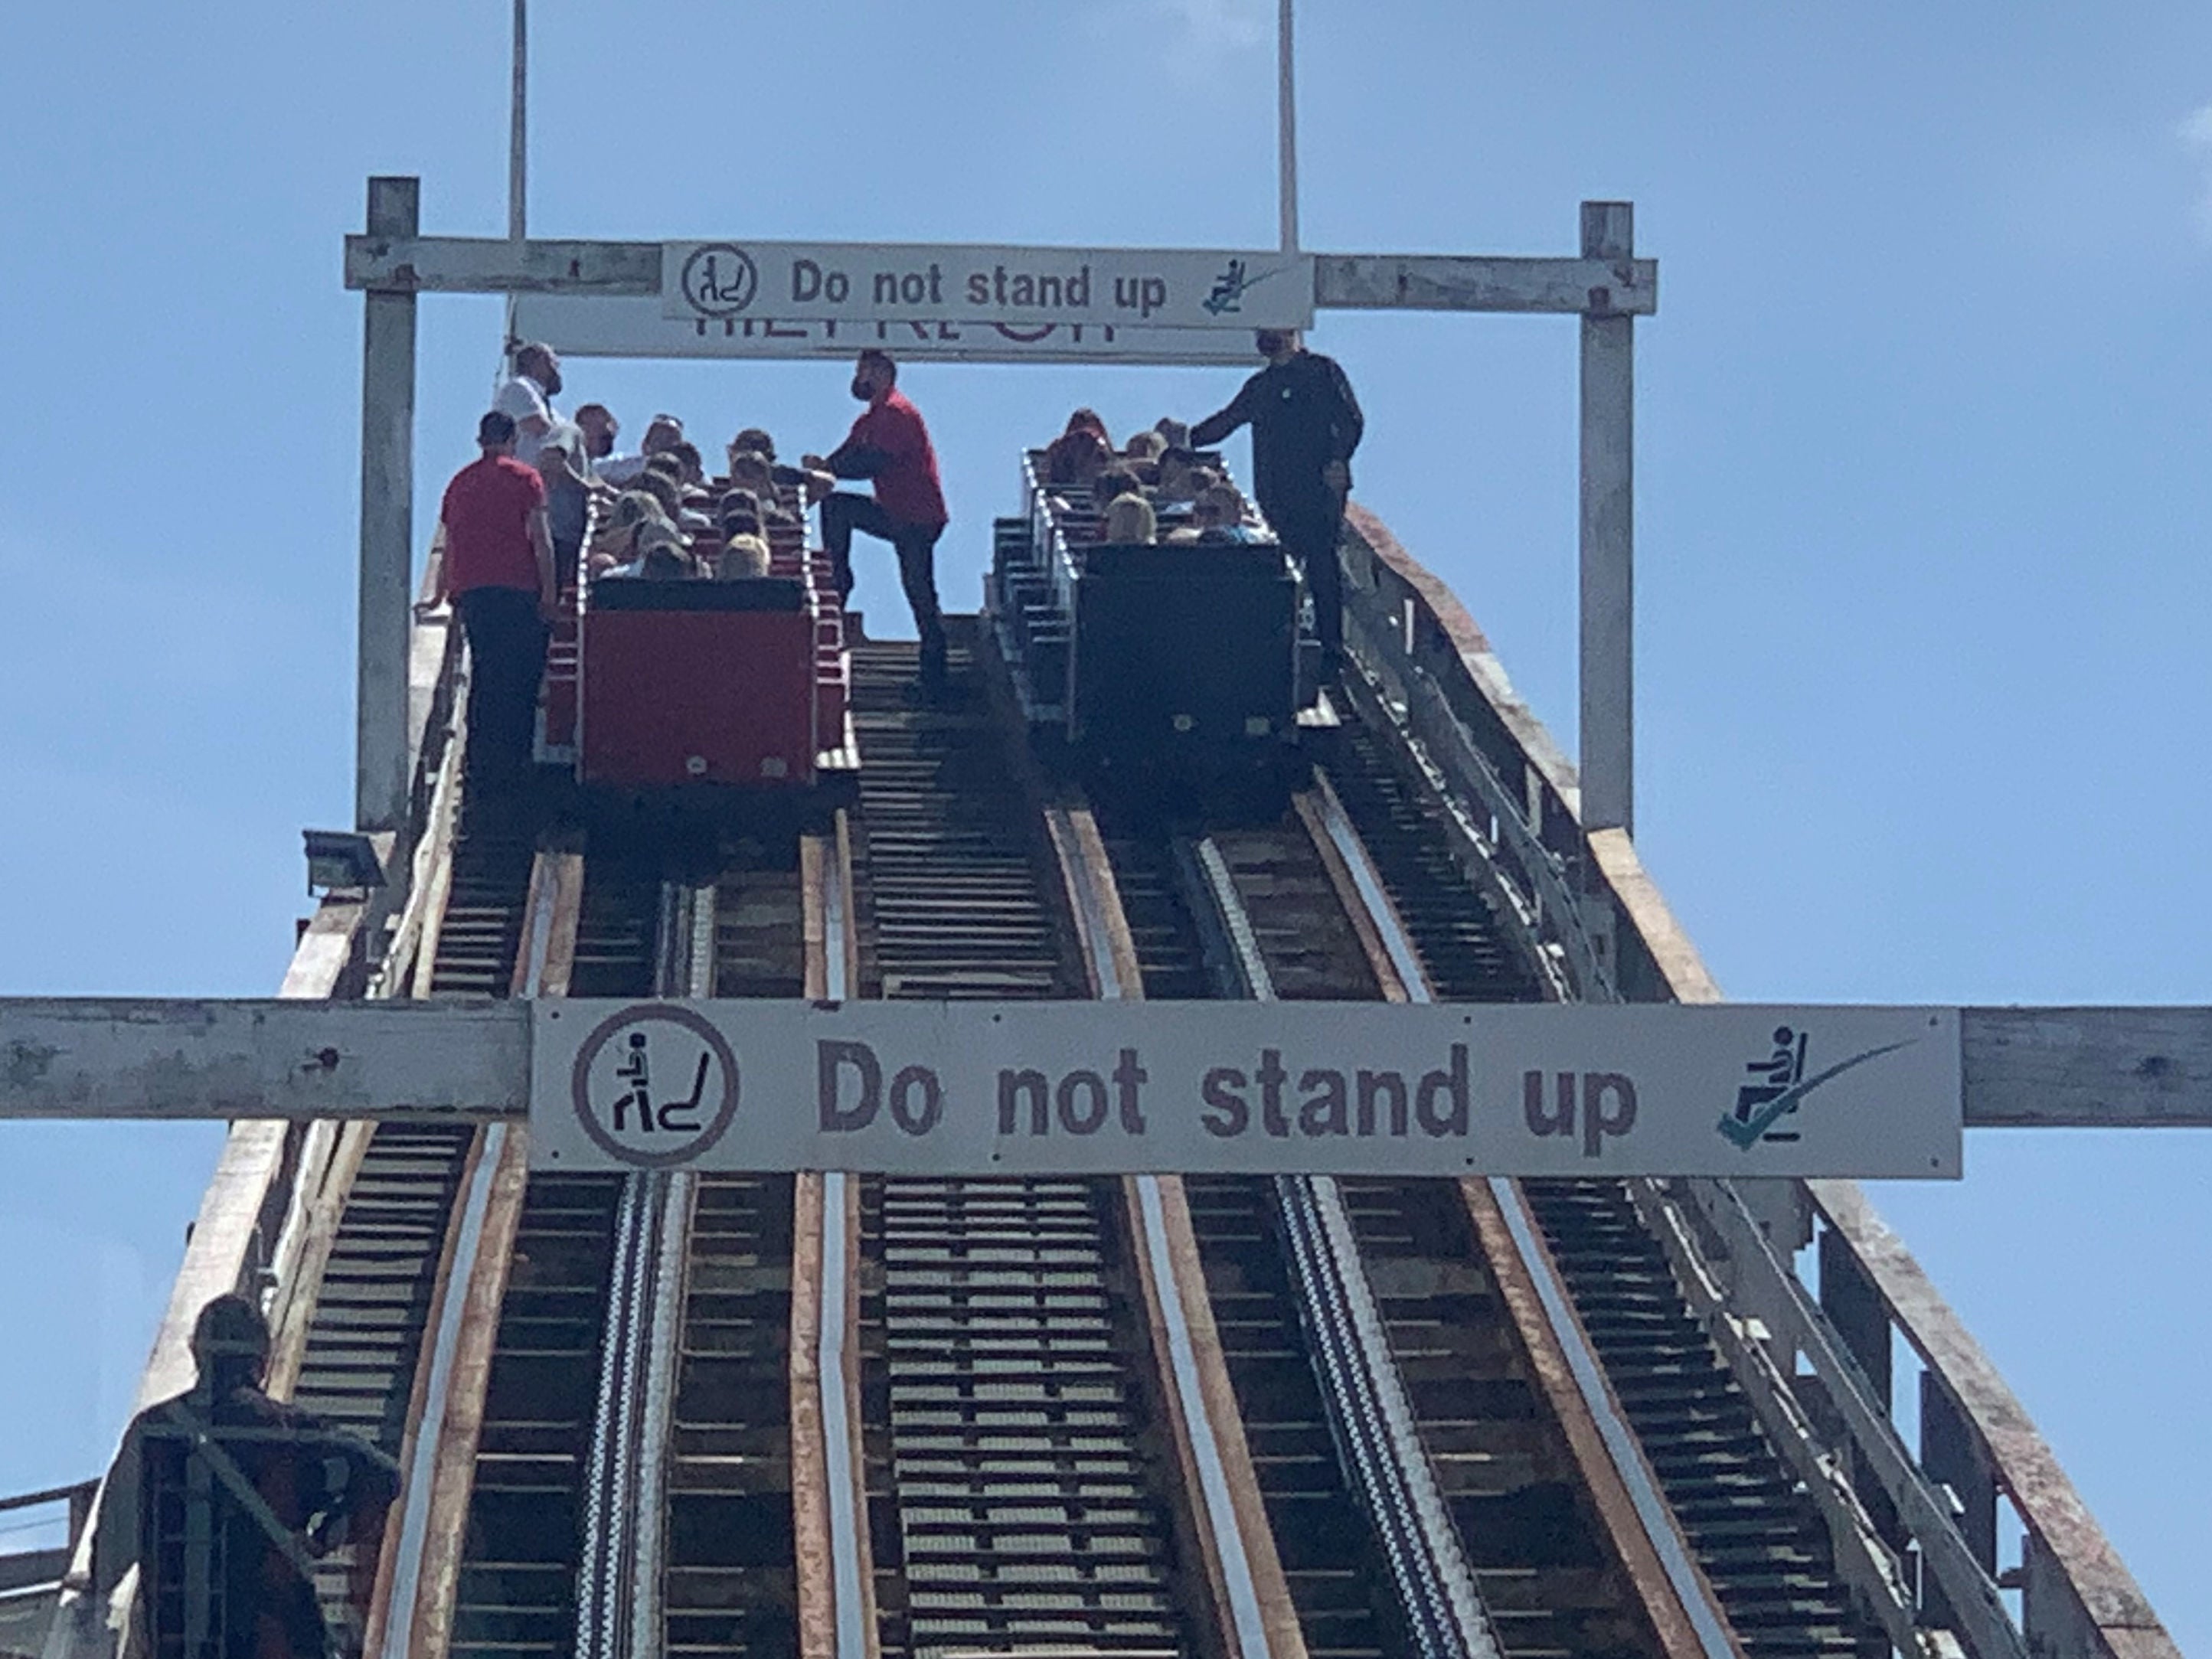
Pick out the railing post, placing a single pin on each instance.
(387, 524)
(1606, 741)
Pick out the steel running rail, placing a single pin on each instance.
(1111, 977)
(1621, 1445)
(619, 1590)
(1374, 1420)
(854, 1621)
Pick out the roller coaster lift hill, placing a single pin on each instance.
(1607, 1057)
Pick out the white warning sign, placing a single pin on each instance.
(1252, 1088)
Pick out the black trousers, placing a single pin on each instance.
(507, 658)
(1310, 527)
(916, 545)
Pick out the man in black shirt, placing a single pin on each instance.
(224, 1498)
(1305, 423)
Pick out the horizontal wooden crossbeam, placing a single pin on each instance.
(1358, 282)
(469, 1061)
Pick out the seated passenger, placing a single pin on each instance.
(742, 556)
(1129, 519)
(1112, 484)
(812, 484)
(600, 429)
(1176, 477)
(693, 475)
(750, 470)
(661, 555)
(675, 488)
(615, 540)
(1081, 453)
(660, 484)
(1218, 518)
(1141, 454)
(1174, 433)
(660, 433)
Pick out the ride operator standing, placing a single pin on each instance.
(224, 1499)
(499, 571)
(890, 445)
(1305, 423)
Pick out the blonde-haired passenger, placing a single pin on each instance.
(1130, 520)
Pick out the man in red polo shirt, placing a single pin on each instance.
(889, 444)
(498, 571)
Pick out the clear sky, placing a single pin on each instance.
(1921, 500)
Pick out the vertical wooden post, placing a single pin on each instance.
(1860, 1318)
(387, 524)
(1607, 742)
(1950, 1453)
(1287, 125)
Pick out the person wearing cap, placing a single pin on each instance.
(1305, 424)
(267, 1487)
(889, 444)
(499, 571)
(527, 397)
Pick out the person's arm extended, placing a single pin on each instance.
(1214, 427)
(851, 460)
(541, 544)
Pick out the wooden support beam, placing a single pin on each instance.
(162, 1058)
(1608, 748)
(1342, 282)
(2081, 1068)
(387, 520)
(2117, 1067)
(2111, 1606)
(1430, 282)
(452, 1062)
(486, 264)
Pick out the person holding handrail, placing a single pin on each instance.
(1305, 424)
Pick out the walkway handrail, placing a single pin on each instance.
(1976, 1440)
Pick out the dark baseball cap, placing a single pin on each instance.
(495, 428)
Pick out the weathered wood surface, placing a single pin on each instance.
(387, 533)
(300, 1060)
(1550, 1370)
(2163, 1052)
(180, 1058)
(489, 264)
(2025, 1466)
(1362, 282)
(2087, 1068)
(1418, 281)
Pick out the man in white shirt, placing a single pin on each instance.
(527, 400)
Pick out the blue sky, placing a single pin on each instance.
(1921, 493)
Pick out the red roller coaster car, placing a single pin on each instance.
(690, 686)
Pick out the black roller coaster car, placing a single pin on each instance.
(1171, 662)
